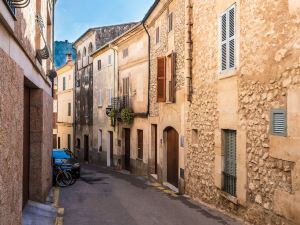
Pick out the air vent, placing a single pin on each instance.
(279, 122)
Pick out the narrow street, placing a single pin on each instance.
(107, 197)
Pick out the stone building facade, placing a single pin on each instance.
(165, 23)
(85, 45)
(105, 77)
(65, 104)
(25, 106)
(242, 145)
(132, 96)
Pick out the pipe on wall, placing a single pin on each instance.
(188, 49)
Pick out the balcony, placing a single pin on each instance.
(120, 103)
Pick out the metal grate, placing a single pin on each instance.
(229, 184)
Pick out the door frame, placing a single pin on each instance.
(110, 148)
(86, 148)
(127, 152)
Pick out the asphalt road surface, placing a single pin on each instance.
(106, 197)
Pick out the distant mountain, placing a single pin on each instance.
(61, 48)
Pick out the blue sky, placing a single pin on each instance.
(74, 17)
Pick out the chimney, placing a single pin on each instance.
(69, 57)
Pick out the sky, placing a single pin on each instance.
(74, 17)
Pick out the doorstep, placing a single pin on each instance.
(172, 187)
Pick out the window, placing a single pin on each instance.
(64, 83)
(69, 109)
(195, 137)
(172, 77)
(157, 35)
(84, 52)
(229, 173)
(69, 141)
(125, 53)
(161, 79)
(99, 64)
(228, 37)
(90, 48)
(109, 59)
(278, 122)
(99, 140)
(100, 99)
(78, 55)
(140, 143)
(110, 96)
(126, 86)
(170, 20)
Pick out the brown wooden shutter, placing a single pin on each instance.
(161, 79)
(173, 78)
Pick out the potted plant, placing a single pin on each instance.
(127, 116)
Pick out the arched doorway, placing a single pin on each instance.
(172, 156)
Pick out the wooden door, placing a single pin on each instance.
(127, 149)
(140, 144)
(155, 149)
(172, 157)
(86, 148)
(26, 145)
(111, 147)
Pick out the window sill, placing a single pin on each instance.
(139, 159)
(228, 74)
(229, 197)
(100, 106)
(195, 145)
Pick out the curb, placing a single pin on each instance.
(60, 211)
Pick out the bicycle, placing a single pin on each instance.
(63, 177)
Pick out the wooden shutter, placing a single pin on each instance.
(161, 79)
(173, 78)
(228, 35)
(279, 122)
(126, 86)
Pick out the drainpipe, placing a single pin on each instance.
(188, 49)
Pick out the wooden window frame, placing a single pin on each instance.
(140, 144)
(170, 22)
(157, 35)
(69, 108)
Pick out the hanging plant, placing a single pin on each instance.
(127, 115)
(112, 116)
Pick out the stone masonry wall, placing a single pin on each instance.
(164, 48)
(11, 129)
(268, 66)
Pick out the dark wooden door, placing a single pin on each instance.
(111, 150)
(127, 149)
(26, 145)
(172, 157)
(140, 144)
(86, 148)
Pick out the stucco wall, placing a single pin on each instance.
(267, 70)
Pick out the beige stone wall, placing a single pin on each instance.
(266, 77)
(11, 129)
(63, 130)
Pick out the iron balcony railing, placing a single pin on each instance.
(121, 102)
(229, 184)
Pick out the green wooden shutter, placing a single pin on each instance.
(230, 152)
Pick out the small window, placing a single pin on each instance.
(64, 83)
(84, 52)
(109, 60)
(99, 65)
(278, 122)
(110, 97)
(157, 35)
(229, 173)
(125, 53)
(69, 109)
(90, 48)
(194, 137)
(100, 140)
(170, 20)
(100, 103)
